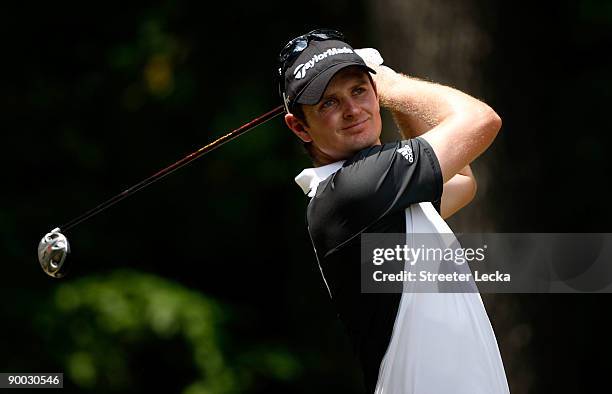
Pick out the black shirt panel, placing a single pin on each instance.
(367, 317)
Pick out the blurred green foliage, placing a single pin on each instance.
(96, 326)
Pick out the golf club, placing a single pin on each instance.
(54, 246)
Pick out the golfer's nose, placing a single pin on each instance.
(351, 108)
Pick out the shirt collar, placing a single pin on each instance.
(310, 178)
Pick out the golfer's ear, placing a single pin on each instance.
(298, 127)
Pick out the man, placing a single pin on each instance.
(411, 342)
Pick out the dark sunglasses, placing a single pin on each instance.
(298, 44)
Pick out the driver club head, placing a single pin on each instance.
(52, 251)
(53, 247)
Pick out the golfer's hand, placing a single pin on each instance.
(385, 79)
(384, 75)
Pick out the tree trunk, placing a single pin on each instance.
(443, 41)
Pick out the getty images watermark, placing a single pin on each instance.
(486, 263)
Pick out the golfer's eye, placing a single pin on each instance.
(327, 104)
(359, 90)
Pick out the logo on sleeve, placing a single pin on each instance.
(406, 151)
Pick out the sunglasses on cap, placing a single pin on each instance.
(297, 46)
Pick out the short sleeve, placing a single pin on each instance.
(380, 180)
(390, 177)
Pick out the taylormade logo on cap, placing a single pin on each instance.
(301, 69)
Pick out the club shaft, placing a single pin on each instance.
(173, 167)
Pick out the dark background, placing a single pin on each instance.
(97, 96)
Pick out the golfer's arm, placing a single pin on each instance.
(458, 192)
(457, 126)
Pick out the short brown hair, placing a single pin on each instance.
(298, 112)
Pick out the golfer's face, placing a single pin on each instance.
(347, 119)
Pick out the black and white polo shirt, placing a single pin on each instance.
(410, 342)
